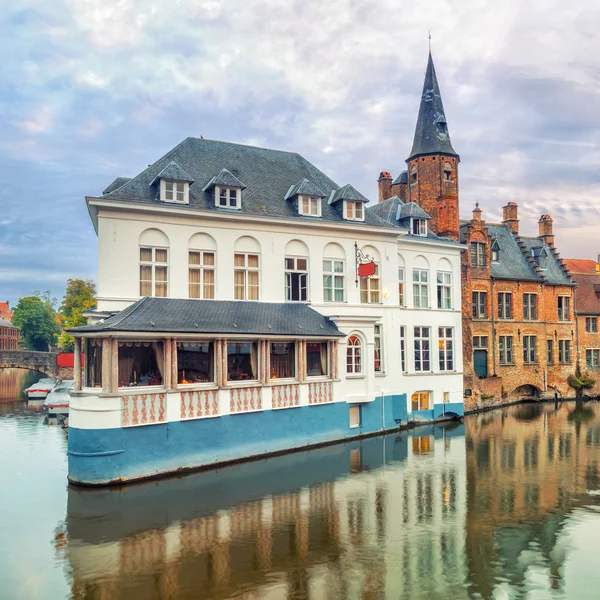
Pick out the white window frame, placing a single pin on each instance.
(309, 206)
(419, 396)
(329, 271)
(203, 268)
(354, 210)
(401, 287)
(418, 227)
(422, 347)
(446, 348)
(444, 290)
(403, 348)
(228, 197)
(154, 264)
(354, 358)
(420, 288)
(302, 278)
(179, 191)
(379, 353)
(370, 288)
(247, 269)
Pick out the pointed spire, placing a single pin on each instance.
(431, 134)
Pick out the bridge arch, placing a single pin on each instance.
(42, 362)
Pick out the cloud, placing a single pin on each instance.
(91, 90)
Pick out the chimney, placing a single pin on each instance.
(545, 224)
(509, 217)
(384, 184)
(476, 212)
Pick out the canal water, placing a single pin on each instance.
(505, 506)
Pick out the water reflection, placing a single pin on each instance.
(339, 522)
(14, 381)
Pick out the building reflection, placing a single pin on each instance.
(338, 522)
(527, 467)
(14, 381)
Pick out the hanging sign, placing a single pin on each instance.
(366, 269)
(365, 265)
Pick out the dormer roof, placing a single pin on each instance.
(411, 211)
(225, 178)
(306, 188)
(347, 192)
(172, 171)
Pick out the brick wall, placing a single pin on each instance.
(589, 340)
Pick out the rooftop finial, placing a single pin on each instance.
(429, 38)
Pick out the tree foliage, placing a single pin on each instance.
(580, 381)
(36, 319)
(79, 297)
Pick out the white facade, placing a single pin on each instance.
(125, 227)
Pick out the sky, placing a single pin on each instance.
(95, 89)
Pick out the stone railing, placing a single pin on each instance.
(143, 409)
(286, 396)
(198, 404)
(245, 399)
(320, 392)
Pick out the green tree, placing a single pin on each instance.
(36, 319)
(580, 382)
(79, 297)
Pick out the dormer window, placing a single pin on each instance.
(419, 227)
(354, 210)
(174, 191)
(495, 255)
(447, 171)
(226, 197)
(309, 206)
(413, 174)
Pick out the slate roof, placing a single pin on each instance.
(402, 178)
(224, 178)
(5, 323)
(305, 187)
(431, 132)
(219, 317)
(553, 273)
(268, 175)
(588, 293)
(172, 171)
(411, 210)
(388, 209)
(347, 192)
(116, 184)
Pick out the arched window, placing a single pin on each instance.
(353, 356)
(447, 171)
(413, 174)
(202, 267)
(246, 273)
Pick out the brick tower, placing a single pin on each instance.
(433, 163)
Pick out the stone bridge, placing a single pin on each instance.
(43, 362)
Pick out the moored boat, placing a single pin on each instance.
(57, 402)
(40, 389)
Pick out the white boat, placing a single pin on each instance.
(57, 401)
(40, 389)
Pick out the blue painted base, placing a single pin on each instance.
(102, 456)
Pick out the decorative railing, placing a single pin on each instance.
(320, 392)
(286, 396)
(198, 404)
(245, 399)
(143, 409)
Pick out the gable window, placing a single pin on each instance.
(418, 227)
(309, 206)
(592, 357)
(564, 303)
(504, 305)
(245, 276)
(479, 300)
(413, 174)
(378, 366)
(370, 292)
(505, 346)
(403, 348)
(477, 254)
(154, 271)
(227, 197)
(201, 274)
(353, 356)
(354, 210)
(422, 349)
(174, 191)
(334, 286)
(447, 171)
(529, 349)
(444, 289)
(530, 307)
(420, 401)
(296, 276)
(401, 286)
(421, 288)
(446, 348)
(591, 324)
(495, 255)
(564, 351)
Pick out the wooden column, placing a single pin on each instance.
(334, 360)
(106, 365)
(174, 365)
(114, 370)
(77, 365)
(267, 359)
(301, 360)
(218, 362)
(168, 366)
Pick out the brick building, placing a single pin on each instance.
(586, 274)
(517, 296)
(9, 336)
(5, 312)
